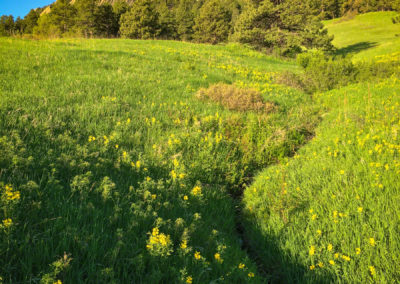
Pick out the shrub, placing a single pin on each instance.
(234, 98)
(322, 73)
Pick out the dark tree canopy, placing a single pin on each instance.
(141, 21)
(213, 23)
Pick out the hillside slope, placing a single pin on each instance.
(365, 36)
(332, 210)
(113, 171)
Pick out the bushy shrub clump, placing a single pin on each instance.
(234, 98)
(322, 72)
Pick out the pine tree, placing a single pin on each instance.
(287, 27)
(58, 22)
(31, 20)
(185, 19)
(62, 16)
(7, 25)
(105, 21)
(141, 21)
(213, 23)
(166, 19)
(86, 18)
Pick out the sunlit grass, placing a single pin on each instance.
(333, 208)
(121, 173)
(365, 36)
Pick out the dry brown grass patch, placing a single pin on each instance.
(235, 98)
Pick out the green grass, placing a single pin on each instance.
(103, 142)
(332, 210)
(365, 36)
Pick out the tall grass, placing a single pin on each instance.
(332, 210)
(112, 171)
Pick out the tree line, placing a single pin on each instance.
(286, 25)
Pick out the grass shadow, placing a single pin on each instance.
(277, 265)
(356, 48)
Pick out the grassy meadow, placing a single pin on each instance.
(331, 212)
(366, 36)
(334, 206)
(121, 162)
(113, 171)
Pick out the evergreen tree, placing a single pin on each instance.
(85, 18)
(62, 15)
(58, 22)
(31, 20)
(287, 26)
(185, 19)
(7, 25)
(166, 19)
(213, 23)
(141, 22)
(255, 22)
(105, 21)
(120, 7)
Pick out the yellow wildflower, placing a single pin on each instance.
(185, 197)
(312, 250)
(155, 232)
(241, 265)
(346, 258)
(372, 270)
(332, 262)
(330, 247)
(336, 255)
(189, 280)
(173, 174)
(154, 196)
(360, 209)
(184, 244)
(197, 255)
(314, 216)
(251, 274)
(196, 190)
(312, 267)
(7, 222)
(321, 264)
(116, 146)
(358, 250)
(58, 282)
(372, 241)
(218, 258)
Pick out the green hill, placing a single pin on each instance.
(331, 212)
(108, 155)
(170, 162)
(365, 36)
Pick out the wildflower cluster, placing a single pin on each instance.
(159, 244)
